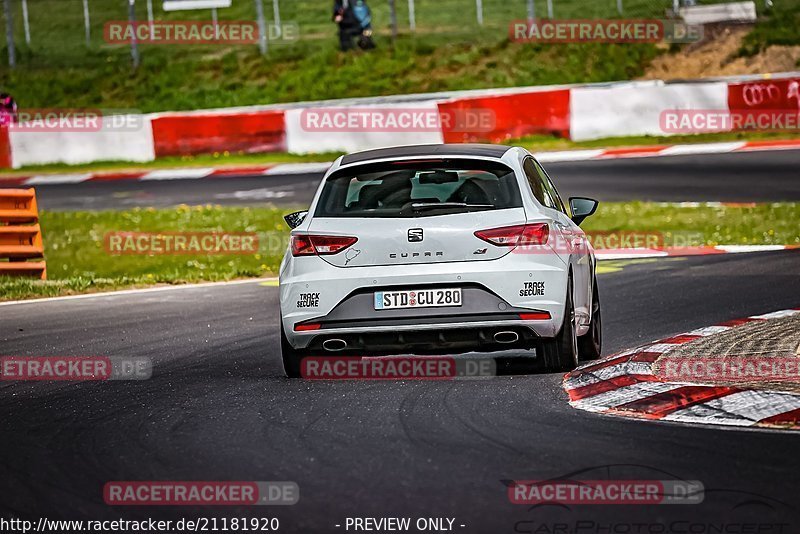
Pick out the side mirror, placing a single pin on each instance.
(581, 208)
(295, 219)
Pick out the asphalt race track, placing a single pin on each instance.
(218, 408)
(735, 177)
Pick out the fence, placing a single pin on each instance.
(70, 33)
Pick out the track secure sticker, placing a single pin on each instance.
(532, 289)
(308, 300)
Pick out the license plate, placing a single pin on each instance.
(423, 298)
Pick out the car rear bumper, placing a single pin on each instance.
(433, 338)
(494, 294)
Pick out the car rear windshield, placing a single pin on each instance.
(419, 189)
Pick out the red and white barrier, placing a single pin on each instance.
(304, 135)
(514, 115)
(188, 134)
(578, 113)
(630, 109)
(781, 94)
(133, 142)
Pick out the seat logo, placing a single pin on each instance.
(415, 235)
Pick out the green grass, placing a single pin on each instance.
(448, 51)
(779, 27)
(77, 260)
(764, 224)
(185, 80)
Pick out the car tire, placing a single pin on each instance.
(292, 358)
(561, 353)
(590, 345)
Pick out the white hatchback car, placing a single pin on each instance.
(437, 249)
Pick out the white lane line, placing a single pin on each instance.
(569, 155)
(703, 148)
(744, 408)
(135, 291)
(735, 249)
(623, 395)
(298, 168)
(57, 179)
(178, 174)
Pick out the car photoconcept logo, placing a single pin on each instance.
(415, 234)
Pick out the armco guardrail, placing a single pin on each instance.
(20, 235)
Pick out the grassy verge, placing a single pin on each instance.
(534, 143)
(763, 224)
(778, 27)
(315, 70)
(448, 51)
(78, 261)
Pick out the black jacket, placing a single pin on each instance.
(349, 19)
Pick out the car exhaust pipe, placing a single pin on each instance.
(506, 336)
(334, 345)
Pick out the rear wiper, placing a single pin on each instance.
(422, 206)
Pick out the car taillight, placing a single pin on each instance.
(321, 245)
(535, 316)
(306, 327)
(519, 235)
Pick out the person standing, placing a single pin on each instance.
(364, 16)
(354, 18)
(349, 27)
(9, 113)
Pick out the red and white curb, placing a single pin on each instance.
(625, 385)
(321, 167)
(194, 173)
(635, 253)
(667, 150)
